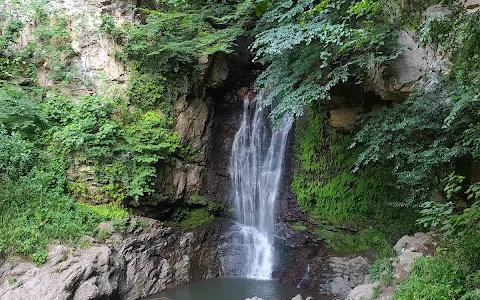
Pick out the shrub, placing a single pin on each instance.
(31, 217)
(436, 278)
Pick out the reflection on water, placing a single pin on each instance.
(234, 289)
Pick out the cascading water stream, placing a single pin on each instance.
(255, 174)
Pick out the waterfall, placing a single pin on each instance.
(255, 176)
(305, 277)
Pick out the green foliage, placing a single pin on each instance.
(412, 137)
(19, 113)
(108, 25)
(197, 217)
(334, 41)
(120, 225)
(9, 34)
(146, 89)
(438, 278)
(196, 200)
(443, 122)
(12, 280)
(52, 46)
(386, 275)
(299, 226)
(31, 217)
(16, 155)
(123, 147)
(366, 240)
(459, 227)
(376, 269)
(165, 49)
(325, 185)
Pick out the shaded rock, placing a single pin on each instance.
(336, 276)
(412, 70)
(126, 267)
(219, 70)
(472, 5)
(345, 117)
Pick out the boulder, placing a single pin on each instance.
(415, 68)
(419, 242)
(345, 117)
(472, 5)
(403, 264)
(364, 291)
(129, 266)
(336, 276)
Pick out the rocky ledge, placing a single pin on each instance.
(408, 248)
(137, 262)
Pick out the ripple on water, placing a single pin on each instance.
(234, 289)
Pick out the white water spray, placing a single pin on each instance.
(255, 173)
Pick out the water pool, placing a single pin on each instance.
(234, 289)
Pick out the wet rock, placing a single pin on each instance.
(127, 266)
(336, 276)
(298, 297)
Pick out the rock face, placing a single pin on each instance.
(408, 249)
(127, 266)
(93, 49)
(412, 70)
(330, 275)
(338, 275)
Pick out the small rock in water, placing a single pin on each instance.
(297, 297)
(254, 298)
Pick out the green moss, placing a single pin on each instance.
(367, 240)
(325, 185)
(299, 226)
(196, 218)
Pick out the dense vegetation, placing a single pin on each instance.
(69, 162)
(400, 156)
(374, 182)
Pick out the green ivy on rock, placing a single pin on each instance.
(325, 184)
(123, 146)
